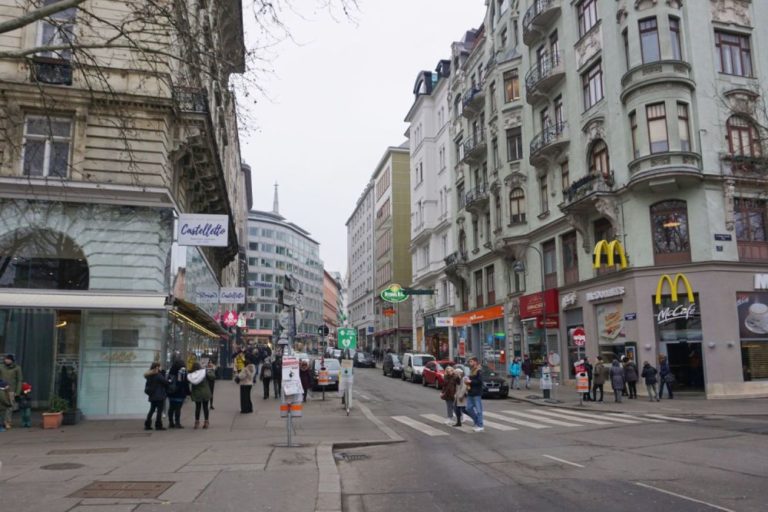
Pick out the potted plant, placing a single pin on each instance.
(55, 415)
(72, 416)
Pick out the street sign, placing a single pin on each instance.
(290, 375)
(414, 291)
(394, 293)
(346, 377)
(579, 337)
(462, 347)
(347, 338)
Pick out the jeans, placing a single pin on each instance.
(26, 417)
(661, 388)
(632, 389)
(475, 409)
(246, 406)
(516, 382)
(174, 411)
(158, 406)
(204, 406)
(527, 381)
(8, 420)
(450, 405)
(265, 383)
(652, 391)
(277, 384)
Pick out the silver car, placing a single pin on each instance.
(332, 366)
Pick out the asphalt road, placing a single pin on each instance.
(560, 461)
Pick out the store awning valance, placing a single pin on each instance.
(195, 315)
(55, 299)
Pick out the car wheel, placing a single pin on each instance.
(413, 378)
(437, 384)
(402, 376)
(504, 395)
(423, 381)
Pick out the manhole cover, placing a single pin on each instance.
(350, 457)
(62, 466)
(122, 490)
(87, 451)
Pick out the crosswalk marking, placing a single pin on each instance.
(569, 417)
(579, 414)
(670, 418)
(514, 421)
(543, 420)
(440, 419)
(629, 417)
(492, 424)
(421, 427)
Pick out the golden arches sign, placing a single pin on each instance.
(673, 284)
(612, 249)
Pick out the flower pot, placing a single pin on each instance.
(72, 417)
(52, 419)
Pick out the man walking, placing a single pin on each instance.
(527, 370)
(588, 370)
(11, 374)
(600, 375)
(475, 394)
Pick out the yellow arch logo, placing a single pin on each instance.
(673, 284)
(612, 249)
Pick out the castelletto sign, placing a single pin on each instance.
(611, 250)
(481, 315)
(673, 284)
(394, 293)
(203, 230)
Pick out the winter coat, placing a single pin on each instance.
(617, 376)
(588, 368)
(178, 386)
(475, 383)
(461, 393)
(266, 369)
(664, 369)
(5, 401)
(305, 376)
(630, 372)
(202, 392)
(649, 374)
(24, 400)
(449, 387)
(11, 374)
(157, 385)
(600, 375)
(527, 367)
(277, 369)
(246, 375)
(239, 362)
(515, 369)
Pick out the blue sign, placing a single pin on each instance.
(489, 339)
(630, 316)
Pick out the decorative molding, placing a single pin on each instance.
(581, 224)
(734, 12)
(589, 46)
(594, 129)
(515, 179)
(729, 191)
(609, 208)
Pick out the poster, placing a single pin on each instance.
(752, 308)
(291, 380)
(610, 322)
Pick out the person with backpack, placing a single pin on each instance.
(600, 375)
(515, 370)
(178, 390)
(200, 392)
(156, 390)
(266, 375)
(212, 381)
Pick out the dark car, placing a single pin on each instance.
(364, 360)
(392, 366)
(494, 384)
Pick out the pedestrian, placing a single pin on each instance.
(277, 374)
(10, 372)
(448, 394)
(649, 374)
(266, 375)
(460, 397)
(201, 392)
(666, 377)
(5, 402)
(245, 379)
(305, 375)
(239, 361)
(515, 370)
(475, 394)
(588, 370)
(156, 388)
(617, 380)
(25, 405)
(599, 378)
(212, 381)
(631, 377)
(527, 368)
(623, 362)
(178, 391)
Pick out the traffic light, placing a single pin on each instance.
(323, 330)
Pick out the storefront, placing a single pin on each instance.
(541, 339)
(436, 337)
(481, 334)
(752, 308)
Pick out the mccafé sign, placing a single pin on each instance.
(670, 314)
(606, 252)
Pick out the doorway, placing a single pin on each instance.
(686, 363)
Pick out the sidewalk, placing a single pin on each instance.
(233, 466)
(688, 404)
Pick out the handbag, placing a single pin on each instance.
(669, 378)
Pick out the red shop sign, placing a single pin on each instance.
(553, 322)
(533, 305)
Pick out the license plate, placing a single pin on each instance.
(493, 390)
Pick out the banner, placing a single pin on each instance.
(203, 230)
(232, 296)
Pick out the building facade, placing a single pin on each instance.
(95, 168)
(360, 267)
(332, 311)
(432, 195)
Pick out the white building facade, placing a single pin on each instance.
(360, 267)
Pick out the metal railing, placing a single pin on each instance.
(52, 71)
(456, 258)
(470, 95)
(550, 63)
(190, 99)
(476, 194)
(588, 184)
(472, 144)
(549, 135)
(538, 7)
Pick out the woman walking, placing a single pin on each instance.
(631, 377)
(460, 396)
(449, 394)
(617, 380)
(266, 375)
(277, 374)
(201, 392)
(245, 379)
(212, 382)
(178, 391)
(155, 388)
(305, 375)
(649, 374)
(515, 370)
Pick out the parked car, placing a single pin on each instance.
(364, 360)
(332, 366)
(434, 373)
(413, 365)
(494, 384)
(391, 366)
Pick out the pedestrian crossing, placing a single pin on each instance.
(536, 418)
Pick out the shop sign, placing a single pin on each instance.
(753, 314)
(259, 284)
(394, 293)
(673, 284)
(206, 296)
(481, 315)
(203, 230)
(241, 321)
(610, 321)
(230, 318)
(553, 322)
(232, 296)
(617, 291)
(579, 337)
(568, 299)
(672, 314)
(118, 357)
(611, 249)
(443, 321)
(533, 305)
(761, 281)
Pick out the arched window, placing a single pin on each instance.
(42, 259)
(462, 242)
(743, 138)
(517, 206)
(599, 162)
(669, 222)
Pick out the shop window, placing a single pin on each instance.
(753, 331)
(550, 264)
(743, 138)
(570, 259)
(42, 259)
(750, 217)
(669, 222)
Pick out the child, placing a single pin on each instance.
(5, 402)
(25, 405)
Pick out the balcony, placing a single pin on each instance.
(474, 150)
(456, 258)
(456, 268)
(549, 142)
(753, 168)
(587, 187)
(473, 101)
(51, 71)
(191, 100)
(542, 77)
(476, 200)
(539, 16)
(672, 169)
(652, 74)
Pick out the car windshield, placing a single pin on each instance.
(422, 360)
(331, 364)
(438, 367)
(395, 359)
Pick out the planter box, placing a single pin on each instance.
(72, 417)
(52, 419)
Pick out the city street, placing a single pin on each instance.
(539, 458)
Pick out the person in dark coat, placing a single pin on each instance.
(201, 394)
(277, 374)
(178, 391)
(631, 377)
(588, 370)
(599, 376)
(527, 370)
(156, 389)
(212, 382)
(305, 375)
(649, 374)
(666, 377)
(266, 375)
(617, 380)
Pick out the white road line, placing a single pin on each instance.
(514, 421)
(421, 427)
(670, 418)
(638, 418)
(542, 420)
(599, 416)
(569, 417)
(441, 419)
(492, 424)
(694, 500)
(563, 461)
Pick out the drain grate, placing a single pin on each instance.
(62, 466)
(122, 490)
(87, 451)
(350, 457)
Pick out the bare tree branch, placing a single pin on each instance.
(38, 14)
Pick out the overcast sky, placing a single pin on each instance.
(338, 98)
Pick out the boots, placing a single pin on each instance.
(205, 424)
(197, 424)
(159, 426)
(147, 425)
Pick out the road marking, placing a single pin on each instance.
(681, 496)
(568, 417)
(543, 420)
(639, 418)
(514, 421)
(421, 427)
(563, 461)
(670, 418)
(492, 424)
(599, 416)
(440, 419)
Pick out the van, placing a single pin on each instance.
(413, 365)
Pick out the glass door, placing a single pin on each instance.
(67, 356)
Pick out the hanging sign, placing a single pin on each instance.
(203, 230)
(394, 293)
(206, 296)
(232, 296)
(230, 318)
(579, 337)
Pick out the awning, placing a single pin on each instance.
(197, 318)
(55, 299)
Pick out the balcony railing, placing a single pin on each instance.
(473, 98)
(741, 166)
(189, 99)
(586, 185)
(456, 258)
(540, 12)
(52, 71)
(474, 147)
(549, 136)
(475, 196)
(551, 65)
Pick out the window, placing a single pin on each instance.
(495, 153)
(592, 85)
(657, 127)
(669, 222)
(514, 144)
(674, 38)
(743, 139)
(649, 40)
(683, 127)
(565, 177)
(550, 264)
(497, 210)
(587, 11)
(488, 227)
(735, 56)
(544, 194)
(570, 258)
(463, 242)
(559, 111)
(492, 96)
(625, 37)
(46, 146)
(59, 31)
(490, 284)
(599, 163)
(42, 259)
(633, 128)
(517, 206)
(475, 234)
(460, 196)
(503, 38)
(750, 220)
(511, 86)
(479, 288)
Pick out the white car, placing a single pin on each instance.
(413, 365)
